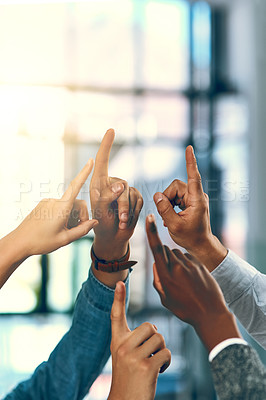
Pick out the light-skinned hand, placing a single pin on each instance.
(188, 290)
(52, 224)
(137, 356)
(190, 228)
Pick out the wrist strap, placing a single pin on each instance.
(114, 265)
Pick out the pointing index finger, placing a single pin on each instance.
(194, 178)
(77, 183)
(157, 248)
(102, 158)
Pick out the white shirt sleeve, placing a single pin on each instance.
(244, 289)
(225, 343)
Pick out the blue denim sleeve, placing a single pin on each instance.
(81, 354)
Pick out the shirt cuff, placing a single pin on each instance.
(225, 343)
(234, 276)
(100, 295)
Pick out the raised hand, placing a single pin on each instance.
(57, 222)
(190, 228)
(137, 356)
(114, 204)
(52, 224)
(188, 290)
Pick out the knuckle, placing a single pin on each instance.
(145, 366)
(164, 208)
(115, 315)
(149, 328)
(122, 351)
(160, 339)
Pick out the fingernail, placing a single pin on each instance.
(117, 187)
(123, 217)
(155, 327)
(90, 161)
(151, 218)
(122, 225)
(192, 151)
(158, 197)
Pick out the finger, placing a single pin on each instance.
(77, 183)
(79, 213)
(161, 360)
(102, 158)
(157, 247)
(193, 259)
(136, 212)
(151, 346)
(175, 258)
(136, 203)
(118, 312)
(175, 193)
(70, 235)
(140, 335)
(157, 283)
(194, 178)
(109, 195)
(123, 203)
(166, 211)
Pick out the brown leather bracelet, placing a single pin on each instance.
(114, 265)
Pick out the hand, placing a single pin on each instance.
(188, 290)
(114, 204)
(57, 222)
(190, 228)
(137, 356)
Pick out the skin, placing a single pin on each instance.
(188, 290)
(135, 371)
(116, 206)
(57, 222)
(190, 228)
(52, 224)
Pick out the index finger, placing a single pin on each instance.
(77, 183)
(118, 312)
(157, 248)
(102, 158)
(193, 175)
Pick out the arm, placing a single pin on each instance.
(188, 290)
(137, 357)
(116, 206)
(52, 224)
(234, 383)
(244, 287)
(81, 354)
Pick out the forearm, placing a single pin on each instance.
(13, 253)
(215, 329)
(80, 356)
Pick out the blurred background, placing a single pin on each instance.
(163, 74)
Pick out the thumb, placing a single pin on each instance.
(81, 230)
(118, 313)
(165, 209)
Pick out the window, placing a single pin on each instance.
(147, 68)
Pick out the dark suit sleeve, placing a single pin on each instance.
(238, 374)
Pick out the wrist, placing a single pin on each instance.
(109, 252)
(210, 252)
(19, 244)
(216, 329)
